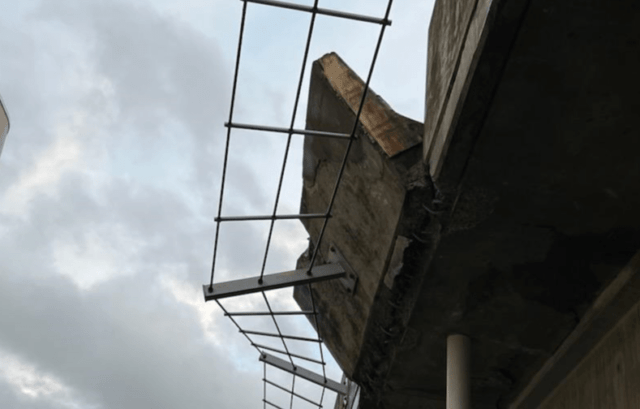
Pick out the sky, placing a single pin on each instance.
(110, 178)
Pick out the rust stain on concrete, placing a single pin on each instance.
(379, 120)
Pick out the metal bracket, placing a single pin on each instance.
(348, 400)
(304, 373)
(350, 280)
(272, 281)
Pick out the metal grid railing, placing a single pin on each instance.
(262, 282)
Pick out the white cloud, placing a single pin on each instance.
(96, 259)
(78, 132)
(63, 155)
(27, 380)
(108, 187)
(192, 296)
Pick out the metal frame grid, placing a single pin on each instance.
(310, 274)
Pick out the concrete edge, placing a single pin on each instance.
(492, 31)
(603, 315)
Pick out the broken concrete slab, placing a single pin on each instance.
(384, 169)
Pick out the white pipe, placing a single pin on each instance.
(458, 368)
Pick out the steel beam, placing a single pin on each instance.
(272, 281)
(304, 373)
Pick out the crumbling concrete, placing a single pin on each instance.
(383, 178)
(522, 211)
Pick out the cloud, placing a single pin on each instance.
(168, 83)
(108, 187)
(116, 351)
(101, 301)
(62, 155)
(130, 340)
(35, 387)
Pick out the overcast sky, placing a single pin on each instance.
(109, 184)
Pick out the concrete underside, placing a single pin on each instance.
(531, 182)
(609, 375)
(532, 142)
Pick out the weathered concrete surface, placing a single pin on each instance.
(469, 46)
(532, 196)
(379, 121)
(617, 300)
(533, 152)
(367, 210)
(609, 376)
(460, 28)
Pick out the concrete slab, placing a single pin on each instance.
(523, 214)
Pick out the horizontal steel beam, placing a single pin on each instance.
(272, 281)
(315, 361)
(326, 12)
(292, 131)
(304, 373)
(270, 334)
(271, 217)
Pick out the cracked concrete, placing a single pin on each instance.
(516, 215)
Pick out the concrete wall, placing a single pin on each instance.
(457, 32)
(368, 207)
(609, 377)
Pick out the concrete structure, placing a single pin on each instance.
(515, 223)
(375, 188)
(4, 124)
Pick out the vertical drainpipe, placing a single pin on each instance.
(458, 368)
